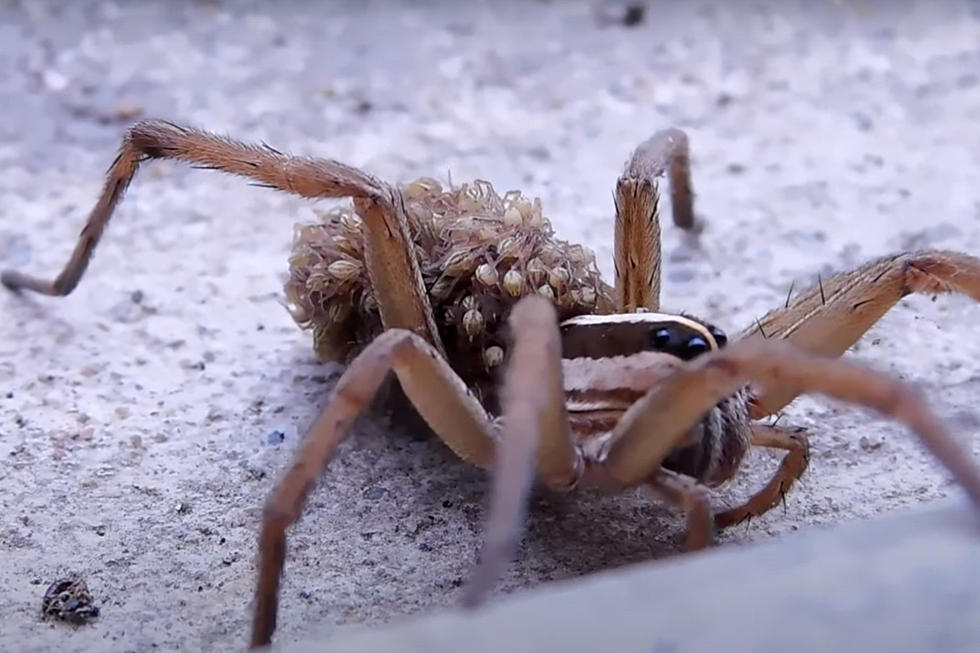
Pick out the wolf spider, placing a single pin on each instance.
(599, 388)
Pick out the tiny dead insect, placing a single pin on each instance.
(68, 599)
(523, 360)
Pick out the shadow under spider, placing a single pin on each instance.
(567, 535)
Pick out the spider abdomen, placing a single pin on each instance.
(479, 253)
(721, 441)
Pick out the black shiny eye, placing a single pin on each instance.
(696, 345)
(660, 339)
(720, 336)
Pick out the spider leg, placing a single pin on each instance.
(535, 428)
(831, 316)
(794, 463)
(155, 139)
(661, 420)
(389, 257)
(637, 233)
(690, 496)
(437, 393)
(393, 269)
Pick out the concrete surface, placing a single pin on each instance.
(144, 419)
(904, 583)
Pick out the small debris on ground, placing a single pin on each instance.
(68, 599)
(625, 14)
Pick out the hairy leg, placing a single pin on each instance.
(794, 463)
(657, 423)
(155, 139)
(691, 497)
(437, 393)
(832, 315)
(389, 253)
(637, 233)
(535, 428)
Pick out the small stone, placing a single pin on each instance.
(374, 493)
(863, 121)
(127, 112)
(275, 436)
(91, 370)
(867, 444)
(54, 80)
(633, 14)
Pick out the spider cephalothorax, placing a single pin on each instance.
(716, 444)
(597, 387)
(621, 334)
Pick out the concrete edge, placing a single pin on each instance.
(904, 582)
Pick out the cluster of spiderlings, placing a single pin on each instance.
(479, 253)
(328, 288)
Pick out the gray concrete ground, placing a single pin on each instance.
(903, 583)
(144, 419)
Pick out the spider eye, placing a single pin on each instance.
(697, 345)
(720, 336)
(660, 339)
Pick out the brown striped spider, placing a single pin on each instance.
(454, 290)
